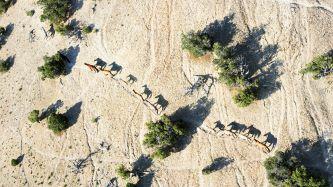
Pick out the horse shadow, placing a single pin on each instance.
(253, 132)
(70, 56)
(101, 63)
(222, 31)
(237, 127)
(146, 91)
(271, 140)
(218, 164)
(219, 126)
(192, 116)
(116, 68)
(161, 102)
(131, 79)
(52, 108)
(73, 113)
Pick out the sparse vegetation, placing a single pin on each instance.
(246, 96)
(4, 5)
(4, 66)
(284, 169)
(320, 66)
(63, 29)
(15, 162)
(130, 185)
(33, 116)
(86, 29)
(94, 120)
(30, 13)
(196, 43)
(123, 172)
(57, 122)
(56, 11)
(53, 67)
(163, 136)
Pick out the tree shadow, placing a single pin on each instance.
(76, 5)
(222, 31)
(146, 180)
(142, 164)
(113, 182)
(192, 116)
(52, 108)
(258, 62)
(73, 113)
(218, 164)
(10, 61)
(315, 155)
(8, 31)
(70, 55)
(140, 167)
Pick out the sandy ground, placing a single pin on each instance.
(144, 38)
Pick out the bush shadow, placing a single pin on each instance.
(8, 31)
(73, 113)
(192, 116)
(10, 61)
(140, 168)
(70, 55)
(218, 164)
(222, 31)
(52, 108)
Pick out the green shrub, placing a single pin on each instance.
(30, 13)
(63, 29)
(207, 171)
(130, 185)
(196, 43)
(161, 153)
(123, 172)
(56, 11)
(2, 31)
(229, 72)
(163, 135)
(87, 29)
(4, 5)
(33, 116)
(4, 66)
(53, 67)
(15, 162)
(57, 122)
(320, 66)
(283, 169)
(246, 96)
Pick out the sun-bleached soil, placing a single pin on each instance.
(144, 38)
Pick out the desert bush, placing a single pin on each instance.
(196, 43)
(123, 172)
(53, 67)
(246, 96)
(86, 29)
(33, 116)
(57, 122)
(283, 169)
(163, 135)
(2, 31)
(63, 29)
(30, 13)
(4, 5)
(130, 185)
(4, 66)
(320, 66)
(56, 11)
(15, 162)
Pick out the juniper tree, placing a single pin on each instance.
(196, 43)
